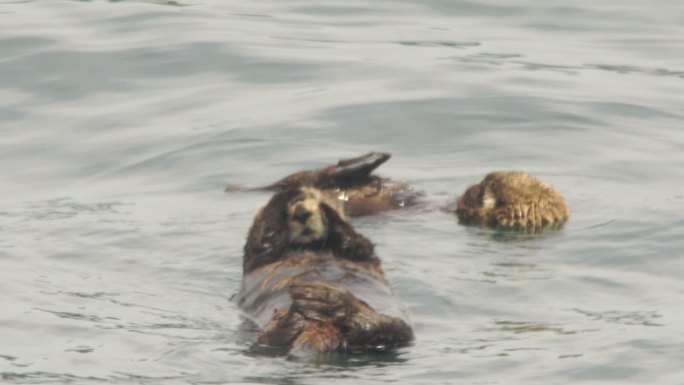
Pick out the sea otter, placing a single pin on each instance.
(512, 199)
(351, 182)
(312, 284)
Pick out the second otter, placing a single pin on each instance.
(512, 199)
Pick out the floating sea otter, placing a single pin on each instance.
(312, 284)
(351, 182)
(512, 199)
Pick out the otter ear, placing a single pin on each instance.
(348, 170)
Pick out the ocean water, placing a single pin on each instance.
(121, 123)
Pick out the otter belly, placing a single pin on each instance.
(338, 304)
(266, 289)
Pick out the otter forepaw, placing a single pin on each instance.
(317, 338)
(319, 301)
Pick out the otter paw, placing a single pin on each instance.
(283, 328)
(320, 302)
(317, 338)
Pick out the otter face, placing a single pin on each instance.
(305, 220)
(512, 199)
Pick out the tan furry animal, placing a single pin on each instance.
(312, 284)
(512, 199)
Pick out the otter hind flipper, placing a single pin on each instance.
(345, 173)
(357, 168)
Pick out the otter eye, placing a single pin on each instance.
(501, 202)
(301, 214)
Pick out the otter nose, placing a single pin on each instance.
(301, 214)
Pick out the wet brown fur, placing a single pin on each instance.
(351, 182)
(512, 199)
(320, 296)
(269, 237)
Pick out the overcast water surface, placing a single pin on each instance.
(121, 123)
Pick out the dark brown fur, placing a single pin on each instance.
(351, 181)
(512, 199)
(268, 238)
(328, 295)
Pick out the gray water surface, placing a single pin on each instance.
(123, 121)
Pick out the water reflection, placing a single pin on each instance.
(46, 74)
(80, 316)
(514, 61)
(518, 327)
(157, 2)
(626, 69)
(637, 317)
(65, 207)
(450, 44)
(334, 361)
(81, 349)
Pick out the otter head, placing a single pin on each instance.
(302, 218)
(306, 219)
(512, 199)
